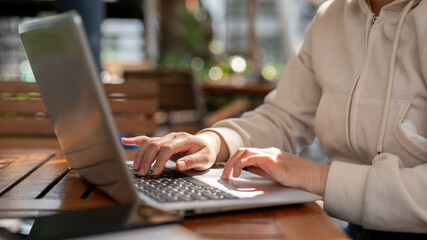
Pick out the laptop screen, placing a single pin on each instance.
(72, 92)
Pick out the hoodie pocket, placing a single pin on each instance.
(404, 140)
(330, 126)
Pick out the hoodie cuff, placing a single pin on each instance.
(344, 191)
(231, 138)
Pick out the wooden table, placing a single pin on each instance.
(38, 181)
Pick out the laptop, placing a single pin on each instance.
(64, 69)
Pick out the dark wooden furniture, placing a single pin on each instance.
(24, 121)
(182, 100)
(177, 90)
(181, 103)
(38, 181)
(254, 89)
(241, 98)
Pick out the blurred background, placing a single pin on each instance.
(218, 40)
(213, 59)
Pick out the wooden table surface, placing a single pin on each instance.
(39, 181)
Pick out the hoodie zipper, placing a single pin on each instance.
(371, 19)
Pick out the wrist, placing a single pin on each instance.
(316, 178)
(322, 177)
(308, 175)
(217, 143)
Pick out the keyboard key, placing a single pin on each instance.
(174, 186)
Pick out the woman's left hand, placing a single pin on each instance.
(287, 169)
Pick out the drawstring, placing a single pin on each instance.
(387, 99)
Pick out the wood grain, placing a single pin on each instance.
(300, 221)
(250, 224)
(69, 187)
(36, 182)
(51, 204)
(19, 168)
(306, 221)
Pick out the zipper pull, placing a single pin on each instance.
(374, 19)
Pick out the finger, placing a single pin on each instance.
(198, 161)
(148, 158)
(172, 143)
(133, 140)
(143, 148)
(139, 154)
(252, 160)
(165, 153)
(179, 150)
(237, 168)
(228, 167)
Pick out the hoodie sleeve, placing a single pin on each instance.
(286, 118)
(383, 196)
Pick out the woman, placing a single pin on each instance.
(358, 83)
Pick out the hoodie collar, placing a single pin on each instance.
(395, 6)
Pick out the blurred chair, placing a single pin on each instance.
(24, 121)
(181, 102)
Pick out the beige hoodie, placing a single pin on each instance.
(335, 87)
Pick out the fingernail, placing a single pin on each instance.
(181, 165)
(141, 171)
(156, 170)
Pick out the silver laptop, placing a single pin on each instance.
(66, 76)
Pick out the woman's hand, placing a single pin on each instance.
(287, 169)
(190, 151)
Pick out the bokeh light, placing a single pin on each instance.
(200, 14)
(238, 64)
(197, 63)
(269, 72)
(215, 73)
(216, 47)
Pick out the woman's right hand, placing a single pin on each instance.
(197, 152)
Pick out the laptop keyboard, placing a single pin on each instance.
(174, 186)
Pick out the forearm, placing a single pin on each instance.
(307, 175)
